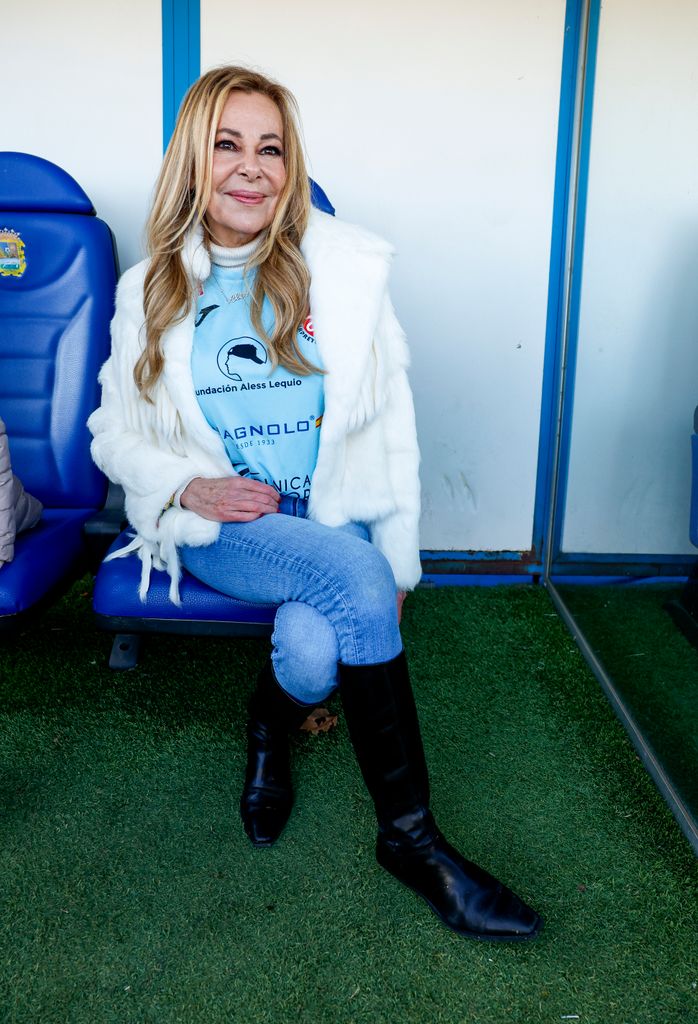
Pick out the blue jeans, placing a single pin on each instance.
(336, 591)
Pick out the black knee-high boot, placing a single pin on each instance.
(384, 729)
(267, 796)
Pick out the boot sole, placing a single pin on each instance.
(478, 936)
(465, 932)
(263, 844)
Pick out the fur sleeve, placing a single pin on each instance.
(136, 444)
(397, 534)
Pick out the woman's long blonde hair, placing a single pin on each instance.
(182, 195)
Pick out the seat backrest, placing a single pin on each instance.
(318, 198)
(58, 276)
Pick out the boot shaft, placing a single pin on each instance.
(384, 729)
(271, 705)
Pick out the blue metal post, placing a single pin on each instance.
(575, 277)
(181, 57)
(579, 50)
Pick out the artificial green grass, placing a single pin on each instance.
(130, 893)
(653, 666)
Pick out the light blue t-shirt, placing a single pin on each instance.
(269, 423)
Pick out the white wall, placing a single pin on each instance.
(436, 127)
(83, 88)
(637, 373)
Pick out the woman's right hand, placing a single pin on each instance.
(230, 499)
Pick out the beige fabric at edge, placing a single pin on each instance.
(18, 510)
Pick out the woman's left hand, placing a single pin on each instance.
(401, 595)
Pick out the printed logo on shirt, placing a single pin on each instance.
(203, 313)
(297, 486)
(250, 431)
(238, 353)
(306, 329)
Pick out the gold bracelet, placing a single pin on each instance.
(168, 504)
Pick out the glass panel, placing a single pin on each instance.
(625, 482)
(636, 379)
(654, 667)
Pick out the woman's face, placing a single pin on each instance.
(248, 169)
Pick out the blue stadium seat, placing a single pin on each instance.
(57, 280)
(693, 514)
(684, 608)
(203, 612)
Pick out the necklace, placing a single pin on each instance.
(235, 297)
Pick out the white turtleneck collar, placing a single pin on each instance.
(237, 257)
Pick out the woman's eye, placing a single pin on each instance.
(230, 146)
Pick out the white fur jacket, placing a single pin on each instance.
(367, 465)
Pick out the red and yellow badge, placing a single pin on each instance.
(13, 262)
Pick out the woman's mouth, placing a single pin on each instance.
(247, 198)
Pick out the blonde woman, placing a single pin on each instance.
(257, 413)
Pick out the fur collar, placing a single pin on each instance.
(323, 234)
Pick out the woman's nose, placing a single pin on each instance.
(249, 166)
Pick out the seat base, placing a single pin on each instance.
(203, 611)
(47, 558)
(124, 651)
